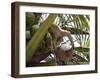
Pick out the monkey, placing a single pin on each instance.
(49, 45)
(57, 36)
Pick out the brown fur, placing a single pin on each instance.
(57, 35)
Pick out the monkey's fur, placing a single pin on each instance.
(57, 35)
(49, 44)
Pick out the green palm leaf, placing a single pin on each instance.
(38, 36)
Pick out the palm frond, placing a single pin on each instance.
(38, 36)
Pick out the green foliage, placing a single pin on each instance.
(81, 23)
(81, 49)
(38, 36)
(79, 27)
(30, 18)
